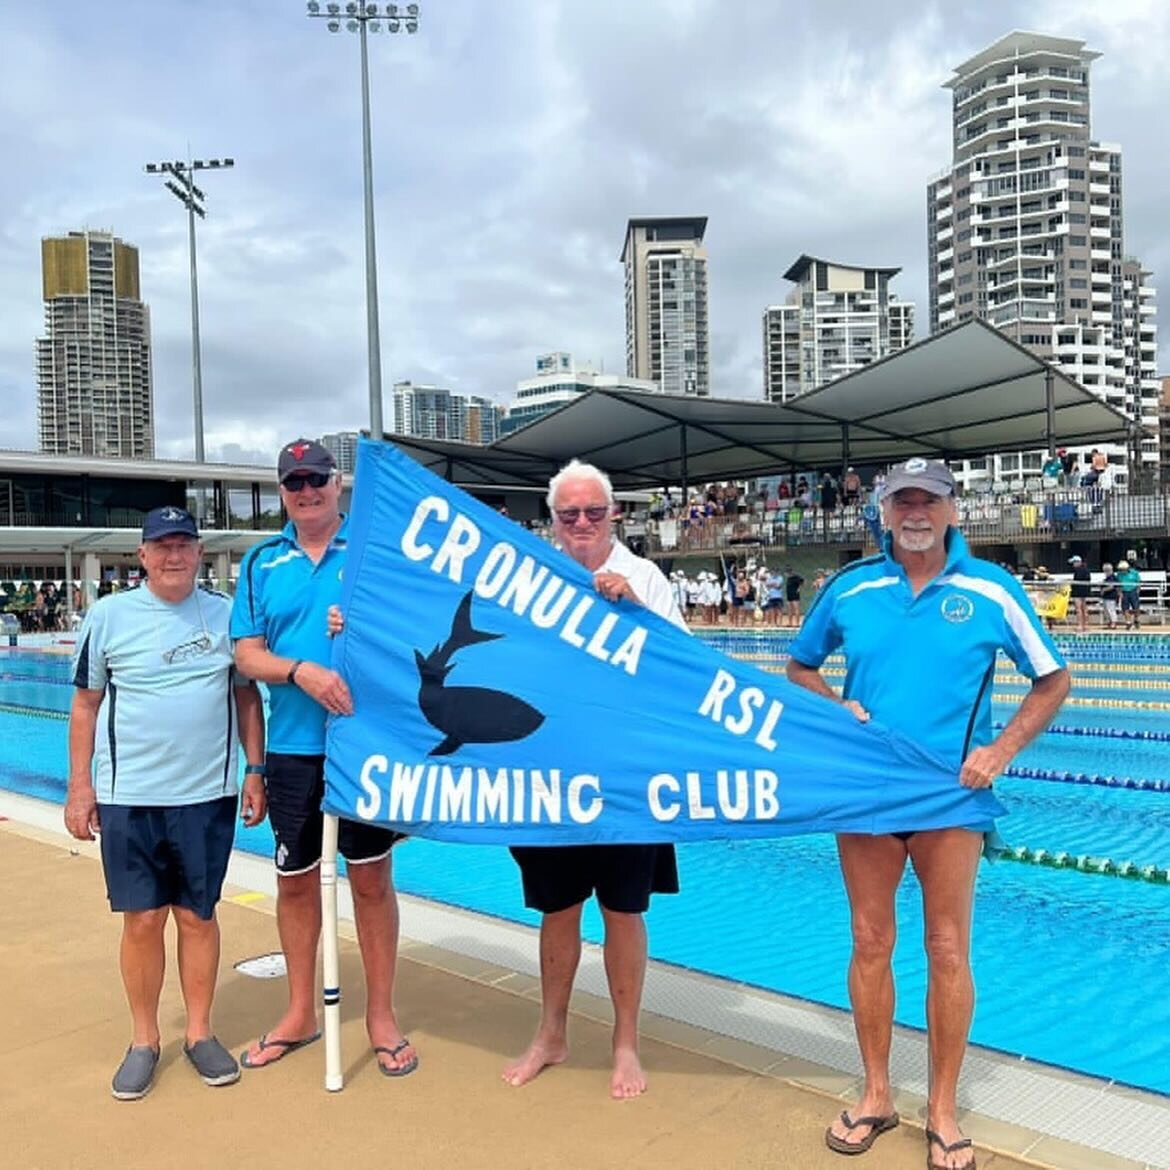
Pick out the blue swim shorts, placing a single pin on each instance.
(156, 856)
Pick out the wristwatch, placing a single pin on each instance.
(292, 672)
(255, 770)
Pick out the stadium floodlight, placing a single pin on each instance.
(363, 18)
(180, 182)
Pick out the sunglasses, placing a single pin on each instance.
(315, 479)
(594, 513)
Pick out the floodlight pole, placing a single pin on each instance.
(359, 15)
(181, 184)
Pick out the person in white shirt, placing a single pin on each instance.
(558, 880)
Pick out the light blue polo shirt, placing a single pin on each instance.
(284, 598)
(166, 729)
(925, 665)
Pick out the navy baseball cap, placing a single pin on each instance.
(169, 521)
(304, 455)
(931, 475)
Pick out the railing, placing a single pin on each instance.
(1037, 517)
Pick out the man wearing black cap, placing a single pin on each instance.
(153, 766)
(279, 621)
(920, 625)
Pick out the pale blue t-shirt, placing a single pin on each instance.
(166, 729)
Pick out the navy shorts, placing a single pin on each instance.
(296, 788)
(624, 876)
(1130, 602)
(156, 856)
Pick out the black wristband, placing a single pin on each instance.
(292, 674)
(255, 770)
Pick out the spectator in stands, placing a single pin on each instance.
(1053, 469)
(1027, 573)
(1097, 465)
(1130, 582)
(850, 487)
(1110, 596)
(828, 493)
(1082, 587)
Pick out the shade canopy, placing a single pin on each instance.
(966, 391)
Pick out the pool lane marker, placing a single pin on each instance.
(1083, 863)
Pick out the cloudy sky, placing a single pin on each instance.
(512, 140)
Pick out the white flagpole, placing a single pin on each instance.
(334, 1080)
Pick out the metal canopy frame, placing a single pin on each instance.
(968, 390)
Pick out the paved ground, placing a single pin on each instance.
(66, 1027)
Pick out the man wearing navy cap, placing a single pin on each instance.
(154, 739)
(280, 624)
(920, 625)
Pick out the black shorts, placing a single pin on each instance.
(296, 788)
(167, 855)
(624, 876)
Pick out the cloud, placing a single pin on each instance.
(510, 147)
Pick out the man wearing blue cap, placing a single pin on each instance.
(154, 738)
(920, 625)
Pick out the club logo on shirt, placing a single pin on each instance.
(957, 608)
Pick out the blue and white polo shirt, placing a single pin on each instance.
(925, 665)
(284, 598)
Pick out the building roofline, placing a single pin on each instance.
(647, 220)
(1019, 43)
(800, 264)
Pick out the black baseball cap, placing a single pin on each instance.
(304, 455)
(169, 521)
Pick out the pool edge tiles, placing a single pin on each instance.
(1011, 1105)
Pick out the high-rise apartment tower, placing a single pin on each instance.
(94, 386)
(838, 318)
(1024, 229)
(667, 327)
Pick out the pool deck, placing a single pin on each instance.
(469, 1001)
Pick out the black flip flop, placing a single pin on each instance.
(285, 1047)
(877, 1126)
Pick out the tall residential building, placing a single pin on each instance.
(342, 445)
(94, 385)
(429, 412)
(667, 326)
(1024, 230)
(838, 318)
(558, 380)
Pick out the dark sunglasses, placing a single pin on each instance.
(594, 513)
(315, 479)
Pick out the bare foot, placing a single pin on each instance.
(628, 1079)
(541, 1054)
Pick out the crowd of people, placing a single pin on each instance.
(742, 595)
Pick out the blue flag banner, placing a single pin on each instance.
(498, 698)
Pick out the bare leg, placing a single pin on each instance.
(946, 862)
(560, 952)
(143, 962)
(625, 970)
(375, 908)
(198, 969)
(872, 868)
(298, 918)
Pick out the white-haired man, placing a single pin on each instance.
(920, 625)
(559, 879)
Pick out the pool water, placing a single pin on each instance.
(1070, 966)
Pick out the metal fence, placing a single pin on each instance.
(1017, 519)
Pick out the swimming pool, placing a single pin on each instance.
(1070, 964)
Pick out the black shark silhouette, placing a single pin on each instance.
(468, 714)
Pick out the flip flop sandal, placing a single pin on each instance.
(399, 1071)
(932, 1140)
(283, 1046)
(878, 1126)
